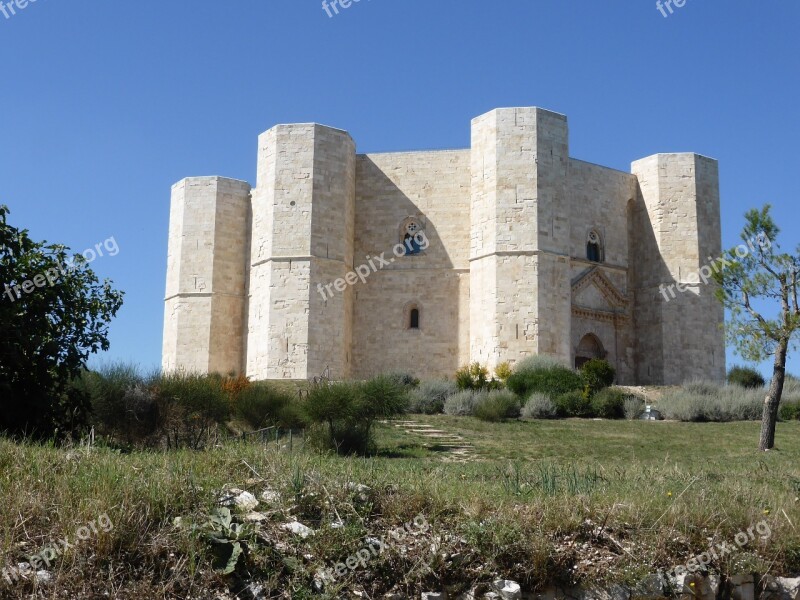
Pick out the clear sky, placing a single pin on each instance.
(107, 104)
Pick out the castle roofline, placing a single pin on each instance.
(697, 154)
(210, 177)
(309, 124)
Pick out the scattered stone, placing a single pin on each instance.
(255, 517)
(508, 590)
(270, 496)
(361, 491)
(43, 577)
(298, 528)
(238, 499)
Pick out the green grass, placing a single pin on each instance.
(543, 500)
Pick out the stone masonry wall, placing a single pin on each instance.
(432, 187)
(205, 302)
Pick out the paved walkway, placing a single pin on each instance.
(453, 447)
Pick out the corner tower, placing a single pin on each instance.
(206, 266)
(520, 295)
(301, 240)
(676, 235)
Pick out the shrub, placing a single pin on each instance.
(348, 411)
(545, 377)
(190, 406)
(463, 403)
(262, 405)
(406, 380)
(790, 411)
(503, 371)
(609, 403)
(702, 402)
(597, 374)
(573, 404)
(745, 377)
(536, 362)
(633, 407)
(430, 396)
(497, 406)
(539, 406)
(472, 377)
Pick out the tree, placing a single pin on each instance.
(54, 313)
(756, 272)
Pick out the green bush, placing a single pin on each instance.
(190, 407)
(406, 380)
(430, 396)
(790, 411)
(609, 403)
(347, 411)
(263, 405)
(573, 404)
(597, 374)
(542, 375)
(472, 377)
(539, 406)
(463, 403)
(123, 407)
(745, 377)
(497, 406)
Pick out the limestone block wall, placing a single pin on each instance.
(678, 231)
(600, 200)
(205, 299)
(432, 188)
(302, 232)
(519, 278)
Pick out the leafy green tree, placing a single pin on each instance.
(757, 272)
(54, 313)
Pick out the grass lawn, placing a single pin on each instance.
(539, 502)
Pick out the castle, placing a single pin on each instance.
(526, 251)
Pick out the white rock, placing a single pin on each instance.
(270, 496)
(238, 499)
(43, 576)
(255, 517)
(298, 528)
(790, 587)
(433, 596)
(508, 590)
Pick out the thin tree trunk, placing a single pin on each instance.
(769, 417)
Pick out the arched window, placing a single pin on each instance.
(412, 236)
(594, 247)
(411, 316)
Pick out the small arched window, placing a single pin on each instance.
(413, 319)
(594, 247)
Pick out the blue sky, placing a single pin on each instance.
(107, 104)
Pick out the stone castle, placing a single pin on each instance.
(527, 251)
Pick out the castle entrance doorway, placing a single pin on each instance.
(589, 347)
